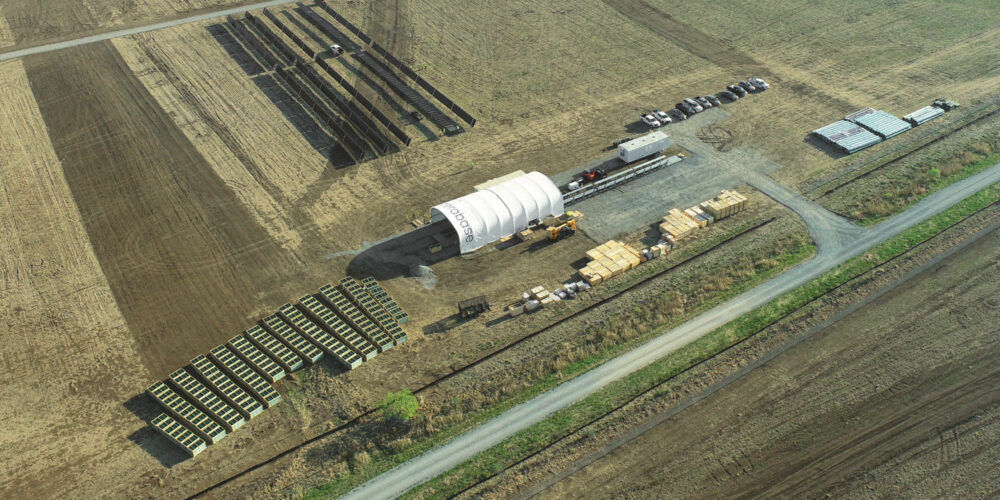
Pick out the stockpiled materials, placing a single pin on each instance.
(677, 225)
(699, 216)
(607, 260)
(724, 205)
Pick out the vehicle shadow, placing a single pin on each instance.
(159, 447)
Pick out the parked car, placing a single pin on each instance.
(736, 89)
(685, 108)
(677, 115)
(704, 102)
(760, 84)
(712, 99)
(650, 120)
(416, 115)
(662, 117)
(336, 49)
(747, 86)
(695, 105)
(728, 94)
(621, 141)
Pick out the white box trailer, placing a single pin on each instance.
(640, 148)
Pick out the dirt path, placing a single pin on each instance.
(900, 396)
(182, 256)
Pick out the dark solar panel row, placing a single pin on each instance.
(263, 53)
(327, 27)
(439, 119)
(277, 43)
(448, 103)
(363, 123)
(345, 134)
(289, 33)
(365, 103)
(347, 24)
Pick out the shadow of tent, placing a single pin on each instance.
(401, 255)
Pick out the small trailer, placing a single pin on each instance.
(470, 308)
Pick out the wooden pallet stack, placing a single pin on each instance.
(724, 205)
(677, 225)
(607, 260)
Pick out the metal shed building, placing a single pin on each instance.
(847, 136)
(883, 124)
(500, 210)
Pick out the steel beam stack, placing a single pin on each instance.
(206, 400)
(227, 389)
(244, 375)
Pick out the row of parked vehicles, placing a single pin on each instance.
(693, 105)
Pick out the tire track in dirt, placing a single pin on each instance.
(685, 36)
(186, 263)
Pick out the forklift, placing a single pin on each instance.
(563, 226)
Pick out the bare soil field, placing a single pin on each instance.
(898, 398)
(32, 22)
(160, 203)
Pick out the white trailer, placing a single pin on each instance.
(644, 146)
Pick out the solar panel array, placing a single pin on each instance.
(262, 53)
(387, 302)
(448, 103)
(274, 348)
(336, 326)
(226, 388)
(330, 344)
(283, 331)
(289, 33)
(262, 363)
(206, 400)
(326, 27)
(353, 316)
(241, 372)
(185, 412)
(347, 24)
(365, 103)
(346, 136)
(433, 114)
(180, 435)
(363, 123)
(371, 307)
(279, 45)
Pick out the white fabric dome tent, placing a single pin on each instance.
(501, 210)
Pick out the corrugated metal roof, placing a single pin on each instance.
(847, 136)
(923, 115)
(884, 125)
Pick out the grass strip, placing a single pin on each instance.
(379, 463)
(578, 415)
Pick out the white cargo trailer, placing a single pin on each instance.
(640, 148)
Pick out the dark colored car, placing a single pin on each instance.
(728, 94)
(677, 115)
(685, 108)
(714, 100)
(621, 141)
(704, 102)
(747, 86)
(736, 89)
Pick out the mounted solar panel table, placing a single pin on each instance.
(327, 342)
(245, 376)
(186, 413)
(180, 435)
(226, 387)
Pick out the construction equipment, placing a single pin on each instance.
(563, 226)
(470, 308)
(945, 104)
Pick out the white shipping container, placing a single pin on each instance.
(640, 148)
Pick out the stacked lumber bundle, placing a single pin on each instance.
(677, 225)
(607, 260)
(724, 205)
(699, 216)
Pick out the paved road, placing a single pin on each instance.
(100, 37)
(832, 252)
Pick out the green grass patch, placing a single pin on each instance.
(570, 419)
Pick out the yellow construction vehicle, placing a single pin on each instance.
(564, 226)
